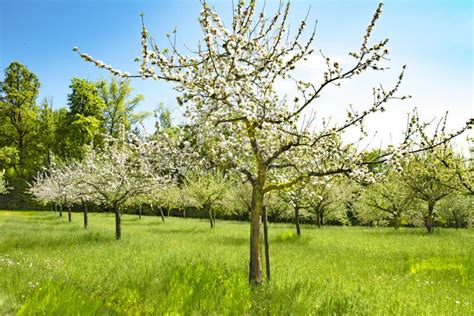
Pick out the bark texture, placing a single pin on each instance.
(255, 269)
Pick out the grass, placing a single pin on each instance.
(49, 266)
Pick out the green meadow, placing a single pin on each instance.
(182, 267)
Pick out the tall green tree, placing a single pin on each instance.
(119, 105)
(83, 124)
(18, 114)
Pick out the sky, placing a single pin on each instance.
(434, 38)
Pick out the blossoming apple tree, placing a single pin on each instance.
(298, 197)
(54, 186)
(207, 189)
(387, 199)
(119, 171)
(228, 88)
(328, 198)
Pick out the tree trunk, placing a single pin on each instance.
(210, 218)
(118, 227)
(162, 215)
(429, 221)
(297, 220)
(69, 215)
(255, 268)
(60, 210)
(184, 213)
(318, 218)
(457, 221)
(267, 244)
(140, 212)
(396, 222)
(86, 218)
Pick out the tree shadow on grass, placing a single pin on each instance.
(231, 241)
(173, 231)
(290, 237)
(399, 232)
(130, 219)
(155, 223)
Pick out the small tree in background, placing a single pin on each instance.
(298, 198)
(389, 199)
(429, 181)
(80, 192)
(328, 198)
(457, 210)
(165, 198)
(120, 171)
(54, 186)
(237, 199)
(207, 188)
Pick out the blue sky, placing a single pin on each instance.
(433, 38)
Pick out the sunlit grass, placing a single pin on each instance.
(49, 266)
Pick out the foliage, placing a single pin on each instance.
(162, 118)
(84, 119)
(457, 210)
(429, 181)
(119, 105)
(3, 183)
(328, 199)
(388, 200)
(18, 114)
(207, 188)
(47, 132)
(237, 199)
(56, 186)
